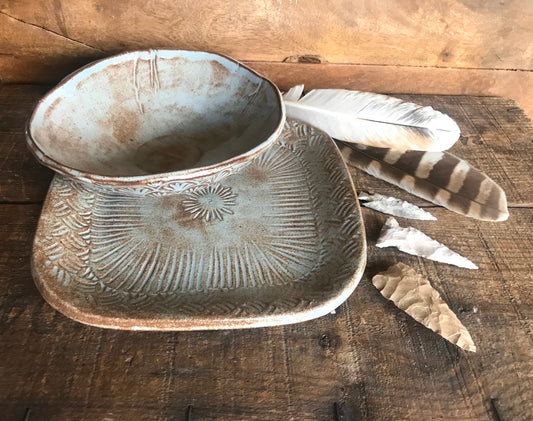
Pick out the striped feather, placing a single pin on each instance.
(438, 177)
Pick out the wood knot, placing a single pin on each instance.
(474, 139)
(329, 342)
(305, 59)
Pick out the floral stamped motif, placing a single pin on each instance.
(210, 202)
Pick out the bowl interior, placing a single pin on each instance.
(155, 111)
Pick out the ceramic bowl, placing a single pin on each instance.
(156, 118)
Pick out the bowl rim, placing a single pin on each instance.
(141, 180)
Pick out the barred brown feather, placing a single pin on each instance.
(438, 177)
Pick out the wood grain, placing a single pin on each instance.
(443, 47)
(512, 84)
(22, 179)
(516, 85)
(368, 361)
(446, 33)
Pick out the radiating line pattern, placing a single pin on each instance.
(210, 202)
(295, 226)
(130, 251)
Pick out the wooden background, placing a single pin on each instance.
(474, 47)
(367, 362)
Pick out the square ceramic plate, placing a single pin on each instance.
(279, 241)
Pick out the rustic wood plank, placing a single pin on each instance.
(451, 47)
(22, 93)
(367, 361)
(369, 358)
(493, 302)
(16, 105)
(22, 179)
(448, 33)
(514, 84)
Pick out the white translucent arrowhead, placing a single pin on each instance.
(415, 242)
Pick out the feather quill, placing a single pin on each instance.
(438, 177)
(294, 94)
(372, 119)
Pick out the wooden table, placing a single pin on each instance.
(368, 361)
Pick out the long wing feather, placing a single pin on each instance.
(372, 119)
(438, 177)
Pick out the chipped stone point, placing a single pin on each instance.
(415, 242)
(414, 294)
(394, 206)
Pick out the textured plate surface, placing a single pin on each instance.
(277, 242)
